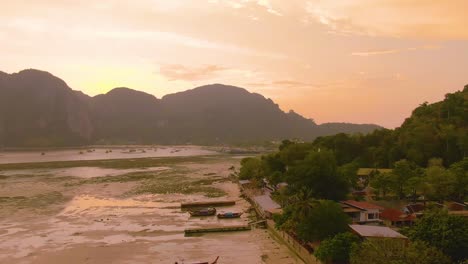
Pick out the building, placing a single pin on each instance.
(362, 212)
(265, 206)
(245, 184)
(372, 232)
(416, 209)
(456, 206)
(394, 217)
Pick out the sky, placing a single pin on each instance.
(360, 61)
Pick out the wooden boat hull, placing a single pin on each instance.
(203, 212)
(227, 216)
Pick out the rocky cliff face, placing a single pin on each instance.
(39, 109)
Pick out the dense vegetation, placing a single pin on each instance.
(427, 159)
(433, 130)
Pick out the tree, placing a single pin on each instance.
(251, 168)
(300, 205)
(459, 171)
(337, 249)
(325, 220)
(349, 172)
(403, 170)
(441, 184)
(273, 167)
(383, 182)
(395, 251)
(318, 172)
(449, 233)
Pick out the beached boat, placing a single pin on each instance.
(214, 262)
(229, 215)
(203, 212)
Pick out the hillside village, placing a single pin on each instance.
(351, 198)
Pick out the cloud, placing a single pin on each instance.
(395, 18)
(180, 72)
(393, 51)
(237, 4)
(371, 53)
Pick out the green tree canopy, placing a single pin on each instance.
(318, 172)
(337, 249)
(325, 221)
(395, 251)
(449, 233)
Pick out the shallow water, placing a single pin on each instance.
(80, 172)
(100, 154)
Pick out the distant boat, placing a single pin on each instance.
(203, 212)
(229, 215)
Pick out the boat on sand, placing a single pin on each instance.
(203, 212)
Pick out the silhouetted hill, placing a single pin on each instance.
(125, 115)
(229, 114)
(39, 109)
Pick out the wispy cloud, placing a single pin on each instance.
(377, 52)
(394, 18)
(393, 51)
(180, 72)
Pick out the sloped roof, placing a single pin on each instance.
(396, 215)
(416, 207)
(266, 203)
(367, 171)
(362, 205)
(242, 182)
(375, 231)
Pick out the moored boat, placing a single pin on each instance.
(214, 262)
(203, 212)
(229, 215)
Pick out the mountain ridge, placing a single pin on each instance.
(40, 109)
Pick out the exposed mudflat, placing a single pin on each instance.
(102, 214)
(102, 153)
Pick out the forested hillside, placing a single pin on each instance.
(433, 130)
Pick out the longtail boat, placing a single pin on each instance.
(229, 215)
(203, 212)
(214, 262)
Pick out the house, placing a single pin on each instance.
(415, 208)
(362, 212)
(455, 206)
(265, 206)
(373, 232)
(394, 217)
(244, 184)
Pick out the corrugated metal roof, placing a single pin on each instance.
(266, 203)
(375, 231)
(242, 182)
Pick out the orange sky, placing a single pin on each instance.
(362, 61)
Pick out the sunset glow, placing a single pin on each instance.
(360, 61)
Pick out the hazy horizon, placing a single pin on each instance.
(346, 61)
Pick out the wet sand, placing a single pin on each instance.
(56, 217)
(102, 153)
